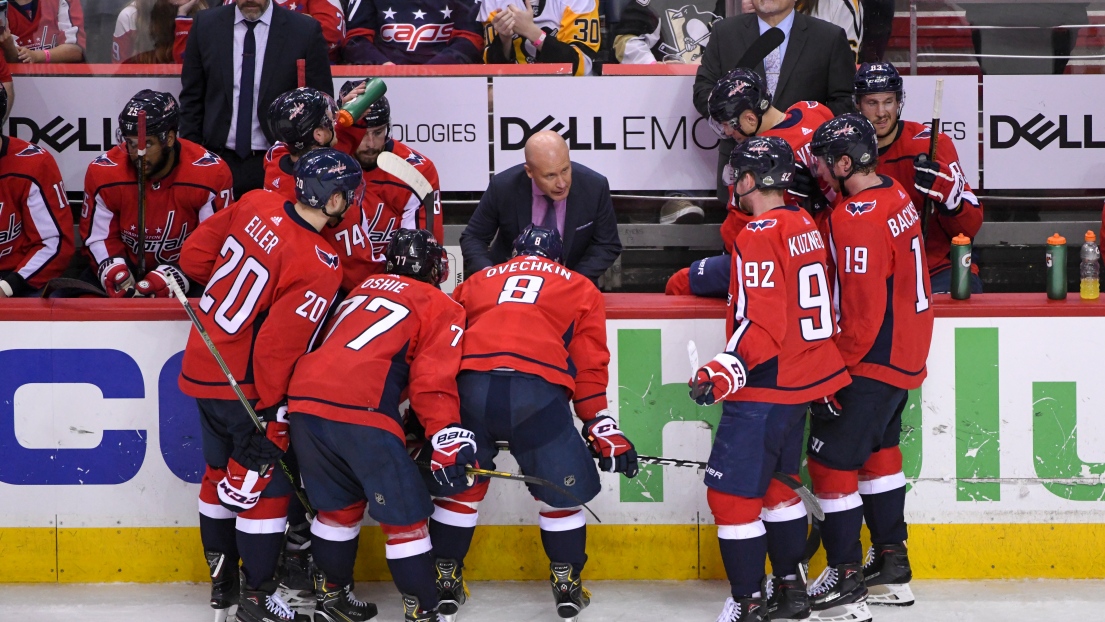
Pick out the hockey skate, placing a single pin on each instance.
(224, 584)
(887, 574)
(265, 605)
(452, 591)
(413, 611)
(787, 599)
(339, 604)
(296, 583)
(839, 595)
(571, 597)
(743, 610)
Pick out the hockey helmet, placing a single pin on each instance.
(849, 134)
(535, 240)
(769, 159)
(415, 253)
(874, 78)
(294, 116)
(162, 114)
(321, 173)
(379, 113)
(739, 90)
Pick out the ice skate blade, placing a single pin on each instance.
(448, 617)
(890, 594)
(223, 615)
(852, 612)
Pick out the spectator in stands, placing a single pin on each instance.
(878, 22)
(45, 31)
(848, 14)
(230, 77)
(664, 31)
(813, 63)
(412, 32)
(330, 15)
(154, 31)
(9, 86)
(551, 191)
(520, 34)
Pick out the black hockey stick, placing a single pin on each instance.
(934, 140)
(237, 390)
(405, 171)
(760, 48)
(62, 287)
(142, 194)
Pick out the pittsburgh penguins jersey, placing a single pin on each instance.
(797, 128)
(882, 291)
(198, 185)
(128, 46)
(46, 24)
(780, 318)
(270, 281)
(572, 23)
(412, 32)
(672, 31)
(896, 161)
(328, 13)
(36, 224)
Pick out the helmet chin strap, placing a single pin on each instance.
(759, 122)
(832, 171)
(741, 195)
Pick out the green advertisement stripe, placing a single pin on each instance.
(977, 418)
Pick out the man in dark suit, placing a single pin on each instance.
(239, 58)
(813, 63)
(552, 191)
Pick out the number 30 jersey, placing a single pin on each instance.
(535, 316)
(573, 23)
(270, 280)
(780, 317)
(393, 336)
(882, 285)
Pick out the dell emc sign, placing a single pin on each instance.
(1041, 132)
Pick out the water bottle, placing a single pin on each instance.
(1090, 287)
(961, 267)
(1057, 267)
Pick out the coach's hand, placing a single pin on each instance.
(454, 450)
(609, 446)
(718, 379)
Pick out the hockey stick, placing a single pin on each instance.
(400, 168)
(934, 139)
(760, 48)
(142, 193)
(75, 287)
(237, 390)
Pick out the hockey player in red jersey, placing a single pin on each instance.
(270, 281)
(185, 185)
(903, 156)
(399, 335)
(414, 32)
(519, 391)
(885, 317)
(36, 224)
(779, 357)
(45, 31)
(740, 108)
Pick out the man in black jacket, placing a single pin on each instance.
(813, 63)
(551, 191)
(239, 58)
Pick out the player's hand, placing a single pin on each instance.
(807, 189)
(454, 449)
(826, 408)
(609, 446)
(356, 92)
(940, 182)
(718, 379)
(156, 283)
(116, 279)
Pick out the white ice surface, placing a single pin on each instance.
(621, 601)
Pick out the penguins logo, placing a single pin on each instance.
(690, 32)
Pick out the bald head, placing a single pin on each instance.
(549, 165)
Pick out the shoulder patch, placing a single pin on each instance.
(860, 207)
(207, 159)
(924, 134)
(102, 160)
(416, 159)
(331, 261)
(31, 150)
(760, 225)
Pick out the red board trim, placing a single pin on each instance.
(338, 71)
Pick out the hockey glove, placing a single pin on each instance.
(116, 279)
(943, 184)
(807, 190)
(826, 408)
(718, 379)
(609, 446)
(156, 283)
(454, 450)
(251, 462)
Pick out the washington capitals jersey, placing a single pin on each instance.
(270, 281)
(46, 24)
(36, 224)
(397, 337)
(574, 23)
(882, 286)
(413, 32)
(780, 317)
(896, 161)
(126, 44)
(328, 13)
(535, 316)
(797, 128)
(197, 186)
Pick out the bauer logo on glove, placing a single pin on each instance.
(454, 449)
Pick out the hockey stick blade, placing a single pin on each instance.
(62, 287)
(692, 354)
(760, 48)
(405, 171)
(807, 497)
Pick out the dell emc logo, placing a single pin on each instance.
(1041, 132)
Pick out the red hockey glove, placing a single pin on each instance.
(942, 183)
(826, 408)
(116, 279)
(609, 446)
(454, 449)
(718, 379)
(156, 283)
(250, 467)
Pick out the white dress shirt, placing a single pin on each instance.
(261, 34)
(773, 64)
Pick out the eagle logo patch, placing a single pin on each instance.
(760, 225)
(331, 261)
(860, 207)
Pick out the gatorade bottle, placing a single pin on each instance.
(1090, 270)
(1057, 267)
(961, 267)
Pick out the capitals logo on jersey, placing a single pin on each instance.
(208, 159)
(103, 160)
(924, 134)
(689, 31)
(413, 34)
(415, 158)
(30, 150)
(159, 240)
(329, 260)
(760, 225)
(860, 207)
